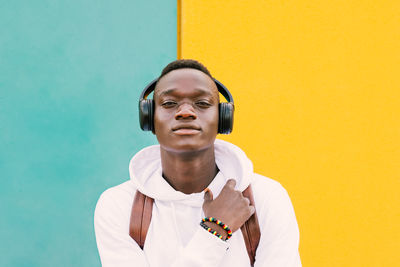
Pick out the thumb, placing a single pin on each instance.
(208, 195)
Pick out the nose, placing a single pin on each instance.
(185, 111)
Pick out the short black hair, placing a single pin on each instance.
(184, 64)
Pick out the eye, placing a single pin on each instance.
(203, 104)
(168, 104)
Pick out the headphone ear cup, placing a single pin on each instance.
(146, 114)
(225, 123)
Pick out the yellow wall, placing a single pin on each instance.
(317, 92)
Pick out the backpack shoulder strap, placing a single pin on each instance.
(251, 229)
(140, 217)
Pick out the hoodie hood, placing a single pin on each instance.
(146, 173)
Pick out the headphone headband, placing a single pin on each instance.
(221, 88)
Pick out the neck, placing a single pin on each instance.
(189, 172)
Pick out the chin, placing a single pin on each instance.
(188, 146)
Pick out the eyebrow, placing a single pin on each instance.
(198, 91)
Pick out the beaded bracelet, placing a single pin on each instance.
(208, 229)
(224, 226)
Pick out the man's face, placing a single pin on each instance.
(186, 110)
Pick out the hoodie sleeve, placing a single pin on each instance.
(116, 247)
(279, 241)
(203, 250)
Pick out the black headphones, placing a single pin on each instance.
(146, 109)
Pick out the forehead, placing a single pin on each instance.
(182, 80)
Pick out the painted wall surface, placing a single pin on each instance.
(71, 73)
(317, 92)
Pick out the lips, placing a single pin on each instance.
(186, 126)
(186, 129)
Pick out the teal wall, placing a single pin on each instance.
(70, 76)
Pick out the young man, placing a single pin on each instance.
(191, 175)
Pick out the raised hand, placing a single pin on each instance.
(230, 206)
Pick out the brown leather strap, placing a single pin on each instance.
(140, 218)
(251, 229)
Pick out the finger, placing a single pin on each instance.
(231, 183)
(252, 209)
(208, 195)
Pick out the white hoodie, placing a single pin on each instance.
(175, 237)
